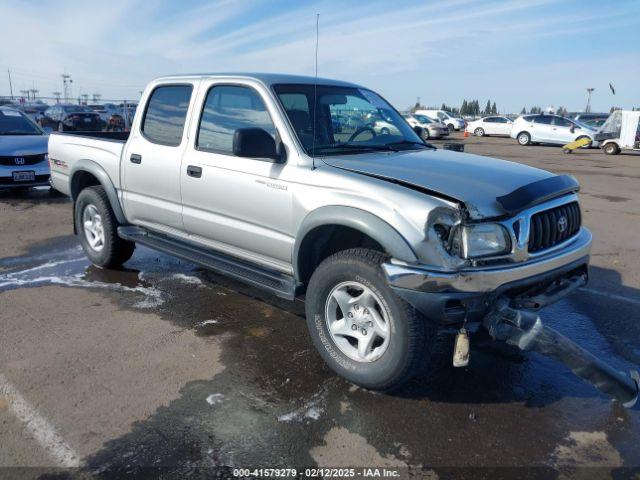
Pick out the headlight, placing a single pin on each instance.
(482, 240)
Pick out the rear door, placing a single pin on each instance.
(151, 159)
(561, 130)
(541, 131)
(502, 126)
(489, 125)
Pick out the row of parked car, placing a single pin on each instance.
(92, 118)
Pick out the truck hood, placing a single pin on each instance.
(17, 145)
(473, 180)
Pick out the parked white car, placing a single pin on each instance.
(493, 125)
(442, 116)
(554, 129)
(431, 128)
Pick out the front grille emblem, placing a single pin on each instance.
(562, 224)
(19, 160)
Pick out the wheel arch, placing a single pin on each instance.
(87, 173)
(345, 225)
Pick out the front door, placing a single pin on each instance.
(241, 206)
(151, 160)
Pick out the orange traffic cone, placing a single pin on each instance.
(466, 134)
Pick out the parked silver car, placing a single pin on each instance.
(553, 129)
(23, 151)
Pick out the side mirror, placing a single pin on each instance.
(254, 143)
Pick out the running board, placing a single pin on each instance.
(279, 284)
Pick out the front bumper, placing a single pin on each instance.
(449, 296)
(41, 171)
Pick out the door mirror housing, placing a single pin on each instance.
(255, 143)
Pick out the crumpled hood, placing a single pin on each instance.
(473, 180)
(16, 145)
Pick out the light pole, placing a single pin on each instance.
(57, 95)
(66, 85)
(589, 92)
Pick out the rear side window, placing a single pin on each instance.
(166, 114)
(226, 109)
(543, 119)
(562, 122)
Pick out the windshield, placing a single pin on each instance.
(348, 120)
(13, 122)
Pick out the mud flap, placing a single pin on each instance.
(525, 330)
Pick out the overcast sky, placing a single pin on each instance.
(518, 53)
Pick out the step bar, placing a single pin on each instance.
(274, 282)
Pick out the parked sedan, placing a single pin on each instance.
(552, 129)
(71, 117)
(430, 128)
(23, 151)
(494, 125)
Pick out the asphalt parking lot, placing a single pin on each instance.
(167, 365)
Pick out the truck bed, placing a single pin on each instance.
(68, 148)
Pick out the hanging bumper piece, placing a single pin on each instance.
(525, 330)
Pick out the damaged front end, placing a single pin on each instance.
(511, 323)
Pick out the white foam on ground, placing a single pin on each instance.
(309, 411)
(39, 427)
(215, 398)
(206, 322)
(190, 279)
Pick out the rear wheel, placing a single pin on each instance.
(425, 134)
(451, 127)
(524, 138)
(479, 132)
(96, 228)
(611, 149)
(361, 328)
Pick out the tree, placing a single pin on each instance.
(524, 111)
(494, 109)
(487, 109)
(464, 108)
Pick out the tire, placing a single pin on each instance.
(451, 128)
(479, 132)
(425, 134)
(611, 148)
(104, 248)
(390, 362)
(524, 138)
(384, 131)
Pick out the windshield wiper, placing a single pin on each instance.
(411, 142)
(356, 148)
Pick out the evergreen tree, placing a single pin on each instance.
(487, 109)
(524, 111)
(464, 108)
(494, 109)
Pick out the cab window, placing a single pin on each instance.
(166, 114)
(226, 109)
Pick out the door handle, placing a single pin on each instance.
(135, 158)
(193, 171)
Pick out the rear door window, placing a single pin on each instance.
(562, 122)
(166, 114)
(543, 119)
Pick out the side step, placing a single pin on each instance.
(279, 284)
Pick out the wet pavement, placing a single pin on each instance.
(239, 383)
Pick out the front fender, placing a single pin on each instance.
(383, 233)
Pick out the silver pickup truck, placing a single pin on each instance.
(284, 183)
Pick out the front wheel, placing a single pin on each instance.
(479, 132)
(96, 227)
(361, 328)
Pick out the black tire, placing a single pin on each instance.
(479, 132)
(611, 148)
(384, 131)
(451, 128)
(425, 134)
(115, 251)
(524, 138)
(411, 335)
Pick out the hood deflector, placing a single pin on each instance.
(538, 192)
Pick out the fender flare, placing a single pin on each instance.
(95, 169)
(383, 233)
